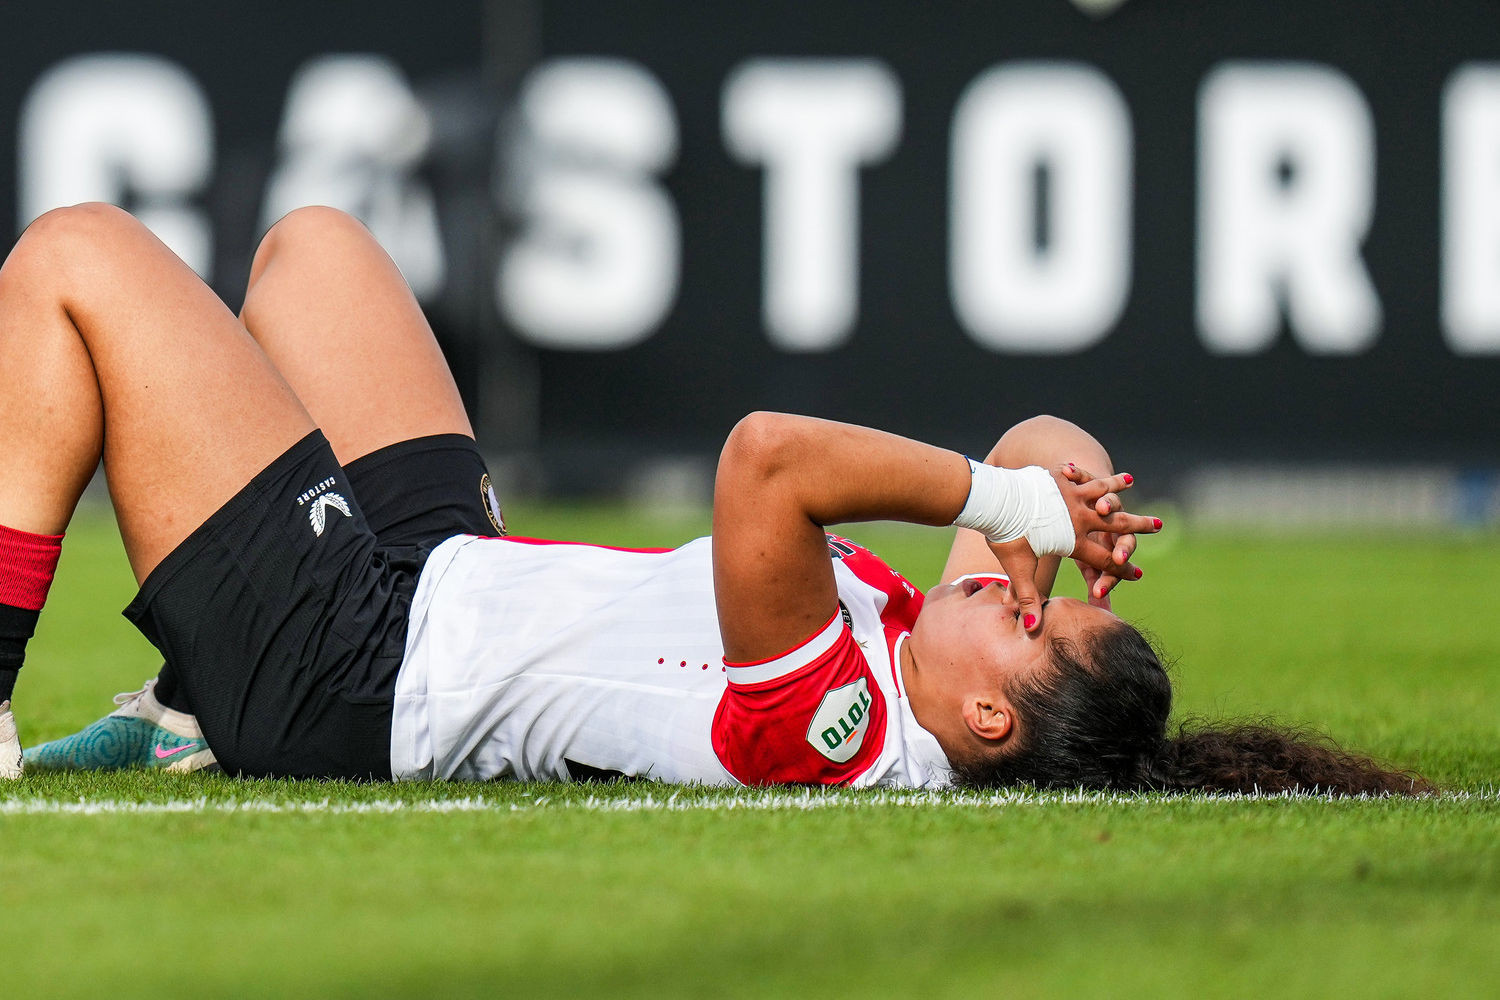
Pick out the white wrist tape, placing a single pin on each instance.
(1006, 504)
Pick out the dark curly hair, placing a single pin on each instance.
(1098, 719)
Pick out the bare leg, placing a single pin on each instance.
(334, 315)
(339, 323)
(332, 312)
(111, 345)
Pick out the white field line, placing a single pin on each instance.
(772, 801)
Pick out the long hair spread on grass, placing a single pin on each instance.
(1098, 719)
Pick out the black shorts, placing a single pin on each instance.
(284, 615)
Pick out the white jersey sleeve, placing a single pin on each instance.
(832, 710)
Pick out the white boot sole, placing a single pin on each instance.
(12, 764)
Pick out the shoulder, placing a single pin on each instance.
(861, 574)
(814, 715)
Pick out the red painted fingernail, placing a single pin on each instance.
(1128, 479)
(1072, 466)
(1156, 522)
(1029, 622)
(1139, 573)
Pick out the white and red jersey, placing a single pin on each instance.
(530, 659)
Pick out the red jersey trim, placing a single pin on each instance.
(999, 578)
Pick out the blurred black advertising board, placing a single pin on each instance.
(1205, 229)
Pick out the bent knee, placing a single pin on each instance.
(89, 223)
(313, 225)
(66, 237)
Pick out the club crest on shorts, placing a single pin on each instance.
(491, 504)
(321, 498)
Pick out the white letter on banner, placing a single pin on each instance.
(1059, 286)
(598, 262)
(1471, 210)
(812, 123)
(352, 135)
(121, 128)
(1286, 182)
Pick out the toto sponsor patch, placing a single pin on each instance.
(838, 726)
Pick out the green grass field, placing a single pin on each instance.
(148, 886)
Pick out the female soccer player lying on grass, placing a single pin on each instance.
(300, 496)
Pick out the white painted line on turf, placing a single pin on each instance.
(751, 802)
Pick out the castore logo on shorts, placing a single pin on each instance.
(321, 499)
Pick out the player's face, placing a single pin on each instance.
(972, 632)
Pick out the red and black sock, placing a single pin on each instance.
(27, 565)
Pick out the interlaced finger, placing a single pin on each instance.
(1096, 583)
(1096, 488)
(1121, 523)
(1075, 475)
(1099, 585)
(1101, 558)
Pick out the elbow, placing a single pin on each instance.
(1047, 440)
(1043, 428)
(759, 448)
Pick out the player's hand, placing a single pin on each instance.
(1019, 563)
(1099, 583)
(1105, 541)
(1120, 545)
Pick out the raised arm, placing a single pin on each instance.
(1049, 442)
(782, 478)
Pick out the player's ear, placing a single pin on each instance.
(989, 717)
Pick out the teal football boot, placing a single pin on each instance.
(141, 733)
